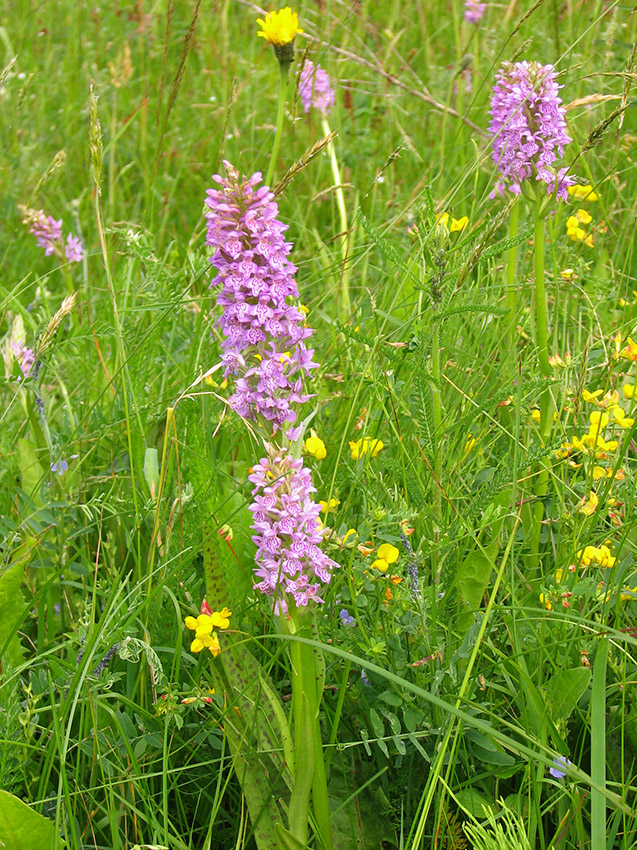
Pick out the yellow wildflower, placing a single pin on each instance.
(457, 224)
(546, 601)
(596, 555)
(599, 419)
(443, 218)
(582, 193)
(536, 415)
(587, 505)
(387, 554)
(629, 352)
(628, 390)
(365, 446)
(203, 627)
(314, 446)
(350, 533)
(471, 443)
(574, 227)
(279, 28)
(622, 420)
(333, 503)
(558, 362)
(591, 397)
(567, 274)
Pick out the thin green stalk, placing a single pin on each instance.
(598, 746)
(283, 88)
(320, 798)
(541, 321)
(337, 714)
(344, 236)
(511, 291)
(546, 407)
(437, 411)
(306, 701)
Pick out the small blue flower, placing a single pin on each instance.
(559, 762)
(346, 618)
(60, 466)
(364, 678)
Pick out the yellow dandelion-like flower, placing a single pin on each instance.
(279, 28)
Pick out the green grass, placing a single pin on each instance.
(474, 685)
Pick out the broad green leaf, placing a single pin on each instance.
(22, 828)
(473, 578)
(473, 801)
(11, 607)
(564, 691)
(285, 839)
(31, 470)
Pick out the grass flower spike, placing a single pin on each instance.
(528, 127)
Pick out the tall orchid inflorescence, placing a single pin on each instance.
(528, 127)
(314, 88)
(264, 351)
(263, 333)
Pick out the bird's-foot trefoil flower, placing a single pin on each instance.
(204, 627)
(386, 555)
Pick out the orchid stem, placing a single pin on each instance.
(511, 293)
(546, 407)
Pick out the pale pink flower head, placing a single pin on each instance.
(473, 11)
(314, 89)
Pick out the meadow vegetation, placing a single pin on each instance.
(457, 472)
